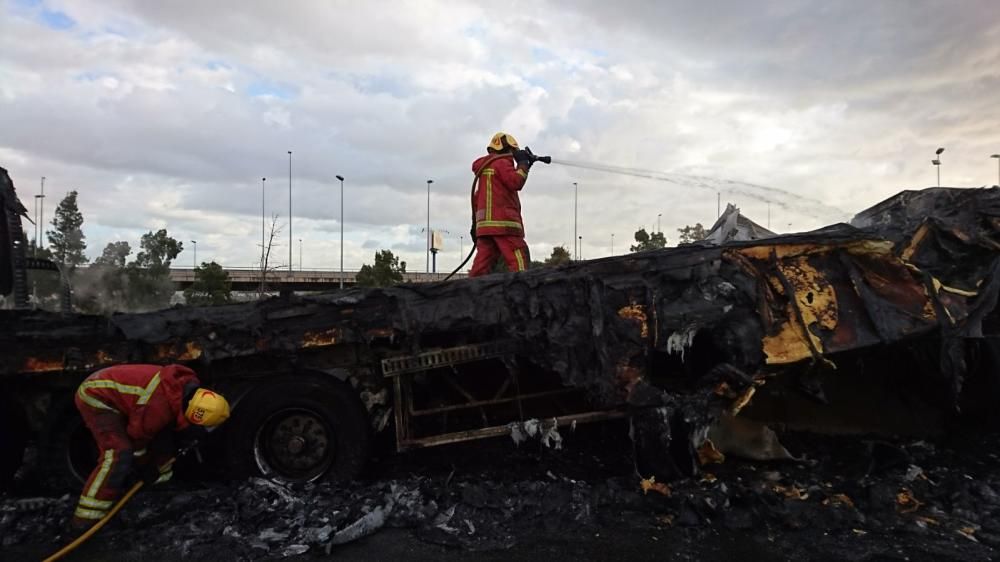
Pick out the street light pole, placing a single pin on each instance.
(937, 164)
(581, 246)
(429, 182)
(289, 211)
(195, 244)
(658, 215)
(576, 253)
(300, 254)
(612, 243)
(997, 156)
(341, 178)
(38, 222)
(40, 243)
(461, 246)
(262, 181)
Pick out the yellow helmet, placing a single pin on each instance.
(497, 142)
(207, 408)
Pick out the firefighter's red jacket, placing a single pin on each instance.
(151, 397)
(496, 203)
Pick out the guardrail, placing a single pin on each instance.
(245, 276)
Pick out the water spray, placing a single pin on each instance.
(779, 197)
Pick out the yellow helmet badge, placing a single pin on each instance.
(207, 408)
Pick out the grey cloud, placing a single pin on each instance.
(838, 102)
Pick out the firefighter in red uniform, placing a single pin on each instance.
(129, 408)
(499, 230)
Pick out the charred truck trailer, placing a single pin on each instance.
(884, 325)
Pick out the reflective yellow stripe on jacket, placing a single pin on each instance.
(503, 224)
(488, 174)
(144, 394)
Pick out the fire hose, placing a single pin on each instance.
(475, 181)
(114, 510)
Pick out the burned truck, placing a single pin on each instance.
(886, 324)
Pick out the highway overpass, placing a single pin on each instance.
(246, 279)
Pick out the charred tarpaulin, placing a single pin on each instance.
(684, 335)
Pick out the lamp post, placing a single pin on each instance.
(195, 244)
(937, 164)
(581, 246)
(262, 182)
(341, 178)
(40, 237)
(38, 222)
(461, 247)
(289, 211)
(300, 254)
(997, 156)
(576, 191)
(612, 243)
(429, 182)
(658, 215)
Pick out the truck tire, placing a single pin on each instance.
(299, 430)
(68, 455)
(13, 440)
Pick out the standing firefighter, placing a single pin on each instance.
(129, 408)
(498, 229)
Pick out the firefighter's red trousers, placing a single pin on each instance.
(113, 464)
(490, 248)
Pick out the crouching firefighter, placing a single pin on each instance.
(133, 412)
(497, 226)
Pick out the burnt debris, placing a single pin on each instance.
(847, 499)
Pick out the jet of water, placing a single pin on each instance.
(779, 197)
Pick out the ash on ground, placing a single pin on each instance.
(850, 498)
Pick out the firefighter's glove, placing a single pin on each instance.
(523, 158)
(152, 474)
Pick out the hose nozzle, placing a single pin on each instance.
(533, 158)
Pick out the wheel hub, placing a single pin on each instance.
(295, 444)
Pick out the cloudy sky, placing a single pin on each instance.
(167, 114)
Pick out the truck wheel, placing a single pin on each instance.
(298, 430)
(13, 440)
(69, 456)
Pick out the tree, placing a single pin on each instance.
(150, 287)
(114, 254)
(104, 287)
(66, 238)
(646, 242)
(265, 257)
(388, 270)
(691, 233)
(211, 286)
(560, 255)
(158, 250)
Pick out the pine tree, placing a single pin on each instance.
(67, 239)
